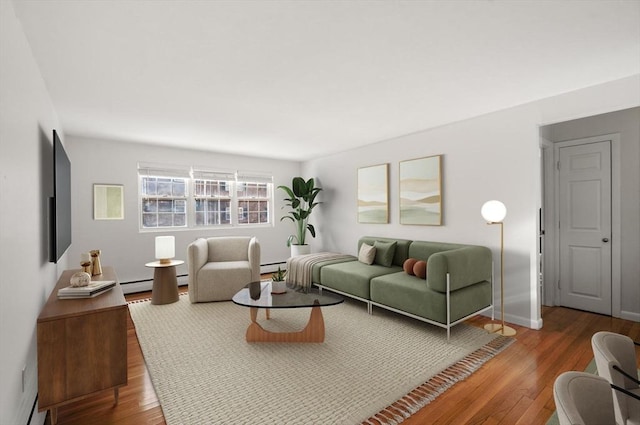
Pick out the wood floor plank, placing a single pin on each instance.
(516, 387)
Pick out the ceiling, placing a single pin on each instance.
(301, 79)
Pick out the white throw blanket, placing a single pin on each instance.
(300, 268)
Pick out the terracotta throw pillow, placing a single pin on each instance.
(420, 269)
(367, 254)
(408, 265)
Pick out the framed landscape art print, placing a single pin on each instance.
(421, 191)
(373, 194)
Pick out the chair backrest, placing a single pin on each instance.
(609, 350)
(583, 399)
(228, 248)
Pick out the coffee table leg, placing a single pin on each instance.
(313, 332)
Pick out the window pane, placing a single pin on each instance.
(149, 220)
(165, 187)
(149, 205)
(180, 220)
(165, 206)
(179, 188)
(165, 220)
(149, 186)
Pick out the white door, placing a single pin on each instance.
(585, 226)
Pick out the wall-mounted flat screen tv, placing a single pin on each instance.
(60, 203)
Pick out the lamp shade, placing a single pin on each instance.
(165, 248)
(493, 211)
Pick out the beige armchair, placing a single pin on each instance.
(583, 399)
(219, 267)
(615, 357)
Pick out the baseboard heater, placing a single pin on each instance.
(144, 285)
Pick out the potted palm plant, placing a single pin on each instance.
(301, 200)
(278, 285)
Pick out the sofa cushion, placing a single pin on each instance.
(228, 248)
(402, 247)
(220, 281)
(315, 273)
(385, 252)
(353, 277)
(413, 295)
(367, 254)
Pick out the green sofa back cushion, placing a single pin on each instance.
(384, 252)
(402, 247)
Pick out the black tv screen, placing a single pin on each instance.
(60, 204)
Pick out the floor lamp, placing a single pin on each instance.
(495, 212)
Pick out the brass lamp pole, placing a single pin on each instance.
(495, 212)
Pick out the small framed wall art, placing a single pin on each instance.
(373, 194)
(108, 202)
(421, 191)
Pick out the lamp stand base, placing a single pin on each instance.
(497, 328)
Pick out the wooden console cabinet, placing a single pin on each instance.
(82, 345)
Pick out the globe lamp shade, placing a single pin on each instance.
(493, 211)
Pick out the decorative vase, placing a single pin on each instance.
(278, 286)
(254, 290)
(96, 268)
(300, 250)
(80, 279)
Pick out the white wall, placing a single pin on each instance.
(27, 118)
(626, 123)
(122, 244)
(495, 156)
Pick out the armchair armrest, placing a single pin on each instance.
(197, 255)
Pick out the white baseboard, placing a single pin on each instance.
(145, 285)
(270, 268)
(630, 315)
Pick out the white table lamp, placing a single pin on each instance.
(165, 248)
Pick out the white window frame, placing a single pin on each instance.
(191, 176)
(244, 178)
(207, 176)
(153, 172)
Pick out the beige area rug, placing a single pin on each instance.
(204, 371)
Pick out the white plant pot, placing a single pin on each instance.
(300, 250)
(278, 287)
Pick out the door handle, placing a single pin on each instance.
(605, 240)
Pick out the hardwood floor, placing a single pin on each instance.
(516, 387)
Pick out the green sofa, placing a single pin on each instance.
(458, 283)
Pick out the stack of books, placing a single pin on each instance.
(96, 287)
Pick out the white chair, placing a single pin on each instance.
(616, 361)
(219, 267)
(583, 399)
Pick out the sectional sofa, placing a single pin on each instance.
(458, 282)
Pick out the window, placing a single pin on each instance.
(216, 199)
(254, 199)
(212, 198)
(164, 202)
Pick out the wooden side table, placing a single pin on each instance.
(165, 282)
